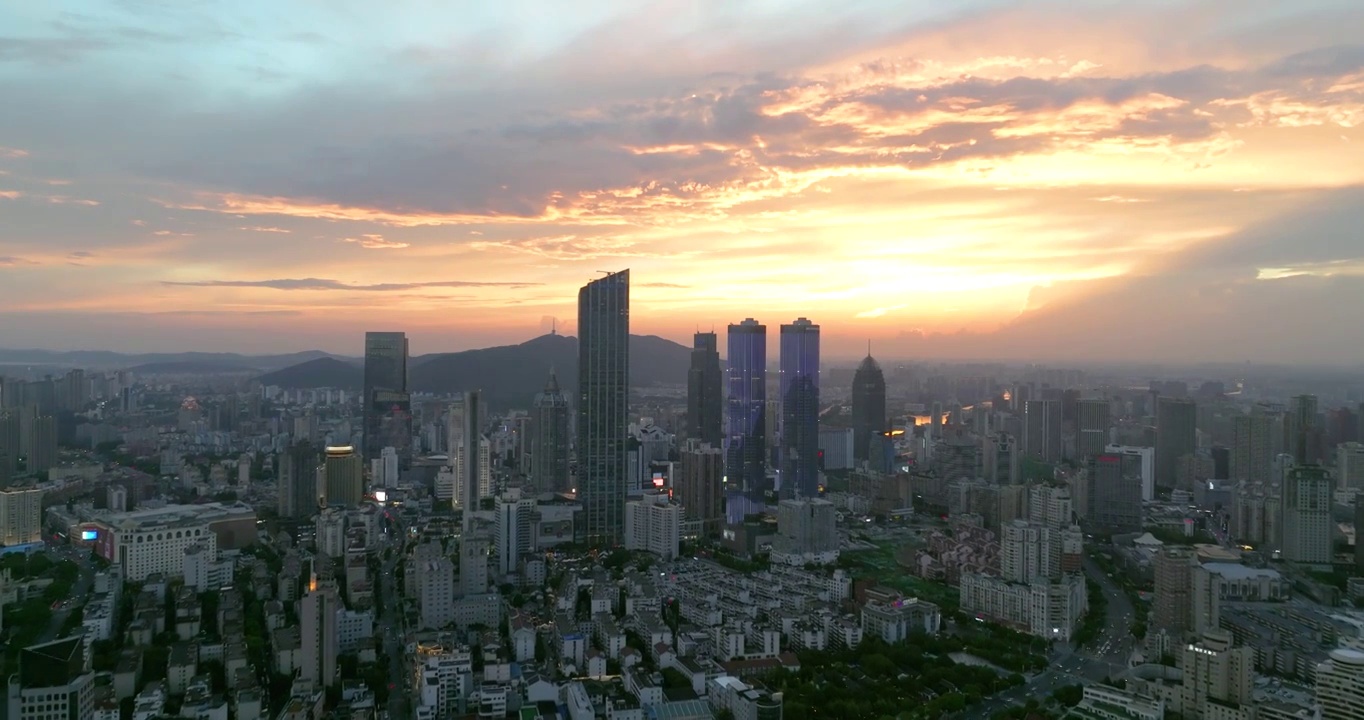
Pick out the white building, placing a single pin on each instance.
(53, 682)
(1148, 466)
(893, 622)
(653, 523)
(330, 532)
(318, 633)
(1350, 466)
(1046, 610)
(516, 524)
(150, 541)
(388, 465)
(436, 587)
(1340, 685)
(353, 628)
(21, 516)
(1110, 703)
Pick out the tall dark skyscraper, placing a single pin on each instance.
(1092, 421)
(1042, 430)
(704, 393)
(298, 491)
(603, 410)
(746, 417)
(470, 466)
(868, 407)
(1115, 491)
(1176, 436)
(800, 409)
(1302, 431)
(549, 441)
(387, 405)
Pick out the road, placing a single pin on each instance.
(1107, 657)
(391, 626)
(80, 590)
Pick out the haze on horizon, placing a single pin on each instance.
(1090, 181)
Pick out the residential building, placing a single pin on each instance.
(1172, 604)
(471, 462)
(473, 565)
(603, 412)
(1350, 466)
(549, 439)
(868, 407)
(1340, 685)
(1303, 436)
(436, 592)
(1176, 436)
(21, 515)
(705, 391)
(806, 532)
(318, 632)
(653, 523)
(1307, 526)
(53, 682)
(699, 485)
(896, 620)
(1252, 446)
(1050, 610)
(1215, 672)
(515, 530)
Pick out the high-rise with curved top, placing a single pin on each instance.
(868, 407)
(603, 410)
(746, 412)
(799, 432)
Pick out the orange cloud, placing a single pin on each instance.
(376, 242)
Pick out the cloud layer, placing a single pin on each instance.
(963, 181)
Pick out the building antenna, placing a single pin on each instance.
(554, 326)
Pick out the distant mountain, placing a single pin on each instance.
(105, 360)
(319, 373)
(190, 367)
(511, 375)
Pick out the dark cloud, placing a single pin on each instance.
(325, 284)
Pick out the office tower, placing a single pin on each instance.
(1350, 465)
(806, 527)
(21, 516)
(1306, 496)
(1001, 459)
(654, 524)
(603, 405)
(1042, 430)
(515, 530)
(1171, 607)
(435, 592)
(1302, 431)
(705, 394)
(700, 485)
(345, 477)
(1092, 424)
(385, 387)
(549, 440)
(53, 681)
(298, 487)
(1217, 672)
(318, 632)
(1114, 498)
(799, 469)
(1340, 685)
(473, 564)
(1176, 436)
(1341, 426)
(746, 416)
(868, 407)
(1221, 462)
(470, 461)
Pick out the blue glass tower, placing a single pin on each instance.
(798, 469)
(746, 408)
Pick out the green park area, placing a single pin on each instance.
(888, 564)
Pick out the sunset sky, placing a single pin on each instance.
(1090, 180)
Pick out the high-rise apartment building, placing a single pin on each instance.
(653, 523)
(1042, 430)
(469, 460)
(38, 440)
(473, 564)
(1051, 505)
(1176, 436)
(1340, 685)
(318, 632)
(1350, 465)
(1172, 604)
(435, 592)
(1001, 459)
(21, 516)
(344, 472)
(1092, 425)
(1302, 431)
(705, 391)
(549, 439)
(53, 681)
(515, 530)
(799, 432)
(10, 447)
(868, 407)
(1115, 487)
(1216, 671)
(746, 412)
(1307, 494)
(298, 487)
(699, 485)
(603, 409)
(1252, 447)
(806, 529)
(387, 406)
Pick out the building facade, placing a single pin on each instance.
(603, 411)
(549, 439)
(705, 391)
(746, 410)
(799, 474)
(868, 408)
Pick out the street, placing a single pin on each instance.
(80, 591)
(391, 628)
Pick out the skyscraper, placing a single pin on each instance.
(345, 473)
(603, 405)
(385, 388)
(318, 632)
(1093, 421)
(470, 462)
(1252, 447)
(1307, 496)
(298, 481)
(1115, 488)
(700, 486)
(799, 409)
(21, 516)
(549, 441)
(1302, 430)
(746, 418)
(868, 407)
(704, 392)
(1176, 436)
(1042, 430)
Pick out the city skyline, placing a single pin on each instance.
(1183, 179)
